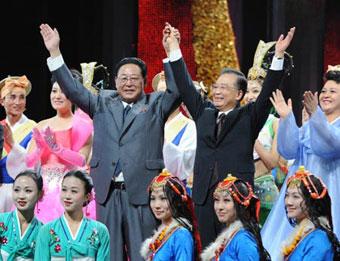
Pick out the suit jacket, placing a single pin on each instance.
(232, 152)
(138, 143)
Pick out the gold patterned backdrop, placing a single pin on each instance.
(213, 39)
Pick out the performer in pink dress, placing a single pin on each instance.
(59, 144)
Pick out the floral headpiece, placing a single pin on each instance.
(164, 178)
(228, 185)
(303, 176)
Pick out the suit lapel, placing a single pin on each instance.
(209, 127)
(116, 109)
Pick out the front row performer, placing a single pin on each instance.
(19, 228)
(73, 236)
(308, 208)
(176, 238)
(237, 207)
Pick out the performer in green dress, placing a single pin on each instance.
(73, 236)
(19, 228)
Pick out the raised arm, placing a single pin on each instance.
(190, 96)
(72, 88)
(271, 82)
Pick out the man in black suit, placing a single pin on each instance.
(226, 132)
(127, 144)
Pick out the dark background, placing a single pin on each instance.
(105, 31)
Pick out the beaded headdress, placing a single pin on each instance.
(228, 185)
(303, 176)
(164, 178)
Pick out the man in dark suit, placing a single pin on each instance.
(226, 132)
(127, 145)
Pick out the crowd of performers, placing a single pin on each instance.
(174, 174)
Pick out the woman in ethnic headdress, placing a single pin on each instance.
(17, 130)
(266, 156)
(237, 207)
(308, 209)
(19, 228)
(315, 145)
(176, 237)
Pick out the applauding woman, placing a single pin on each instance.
(73, 236)
(176, 238)
(237, 207)
(308, 208)
(19, 228)
(315, 145)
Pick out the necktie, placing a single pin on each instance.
(220, 122)
(126, 112)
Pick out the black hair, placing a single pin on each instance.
(132, 60)
(84, 177)
(332, 76)
(182, 209)
(247, 216)
(317, 208)
(241, 81)
(75, 74)
(34, 176)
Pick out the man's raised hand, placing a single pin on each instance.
(51, 39)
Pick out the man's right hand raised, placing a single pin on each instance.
(171, 38)
(51, 39)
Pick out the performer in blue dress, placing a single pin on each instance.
(308, 208)
(19, 228)
(176, 238)
(236, 206)
(315, 145)
(73, 236)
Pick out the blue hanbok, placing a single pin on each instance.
(316, 145)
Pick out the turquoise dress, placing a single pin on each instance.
(56, 242)
(178, 247)
(14, 245)
(315, 246)
(242, 247)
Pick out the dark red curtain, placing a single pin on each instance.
(152, 16)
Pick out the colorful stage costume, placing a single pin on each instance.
(316, 145)
(233, 243)
(13, 245)
(53, 163)
(22, 133)
(56, 242)
(180, 146)
(171, 243)
(313, 244)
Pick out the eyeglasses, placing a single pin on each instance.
(223, 87)
(124, 79)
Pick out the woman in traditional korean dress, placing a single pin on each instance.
(73, 236)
